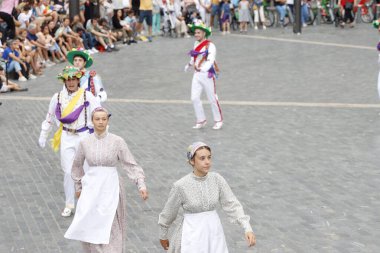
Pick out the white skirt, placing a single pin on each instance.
(96, 206)
(203, 233)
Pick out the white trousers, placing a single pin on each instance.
(202, 81)
(69, 146)
(256, 14)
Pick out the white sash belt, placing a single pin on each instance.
(96, 207)
(203, 233)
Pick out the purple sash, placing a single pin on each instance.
(71, 117)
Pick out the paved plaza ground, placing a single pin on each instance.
(300, 146)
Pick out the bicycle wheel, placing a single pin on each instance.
(269, 18)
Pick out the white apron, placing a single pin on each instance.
(96, 207)
(203, 233)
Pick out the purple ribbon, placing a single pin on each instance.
(73, 116)
(194, 53)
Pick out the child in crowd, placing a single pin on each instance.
(52, 45)
(243, 15)
(225, 16)
(131, 20)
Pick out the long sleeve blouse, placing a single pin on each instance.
(106, 150)
(201, 194)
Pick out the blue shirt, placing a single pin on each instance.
(31, 37)
(6, 53)
(226, 8)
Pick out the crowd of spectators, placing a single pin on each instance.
(36, 34)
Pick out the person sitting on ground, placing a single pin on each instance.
(28, 50)
(104, 28)
(71, 36)
(101, 37)
(8, 86)
(87, 38)
(131, 21)
(25, 16)
(122, 27)
(58, 37)
(39, 43)
(45, 12)
(15, 61)
(54, 49)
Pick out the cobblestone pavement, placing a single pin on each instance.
(299, 147)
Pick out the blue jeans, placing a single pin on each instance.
(304, 13)
(13, 65)
(88, 40)
(281, 9)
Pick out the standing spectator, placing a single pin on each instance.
(205, 11)
(281, 9)
(146, 9)
(258, 9)
(7, 24)
(15, 62)
(304, 13)
(225, 16)
(347, 6)
(215, 10)
(156, 26)
(244, 15)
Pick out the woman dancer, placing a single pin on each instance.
(198, 193)
(99, 221)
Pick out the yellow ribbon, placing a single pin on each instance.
(56, 141)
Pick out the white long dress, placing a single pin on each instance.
(199, 195)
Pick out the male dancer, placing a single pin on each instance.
(70, 109)
(203, 61)
(90, 80)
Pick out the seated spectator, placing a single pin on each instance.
(15, 62)
(131, 20)
(121, 27)
(39, 43)
(104, 38)
(24, 17)
(29, 51)
(177, 21)
(87, 38)
(45, 12)
(58, 37)
(54, 49)
(71, 37)
(8, 86)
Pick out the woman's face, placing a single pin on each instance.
(201, 162)
(46, 30)
(119, 13)
(51, 25)
(100, 121)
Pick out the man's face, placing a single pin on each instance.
(72, 84)
(79, 62)
(33, 31)
(199, 34)
(15, 44)
(66, 22)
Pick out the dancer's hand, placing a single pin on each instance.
(42, 142)
(144, 194)
(187, 67)
(77, 194)
(251, 239)
(165, 244)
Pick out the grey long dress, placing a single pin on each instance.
(199, 194)
(108, 150)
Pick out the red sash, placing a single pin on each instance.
(200, 46)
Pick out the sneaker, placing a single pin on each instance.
(133, 41)
(200, 125)
(94, 50)
(218, 125)
(223, 33)
(109, 50)
(89, 51)
(22, 79)
(31, 76)
(228, 32)
(256, 28)
(67, 212)
(264, 27)
(304, 25)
